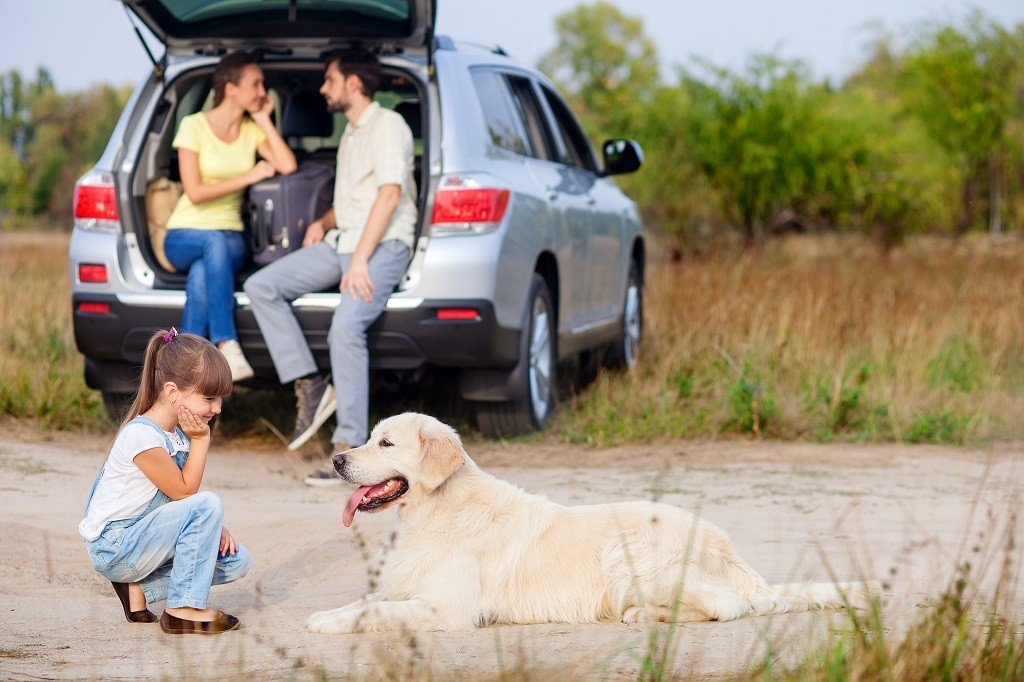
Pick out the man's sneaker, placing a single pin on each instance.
(316, 402)
(327, 476)
(240, 369)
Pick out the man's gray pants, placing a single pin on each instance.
(315, 268)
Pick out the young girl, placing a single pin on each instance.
(216, 158)
(147, 527)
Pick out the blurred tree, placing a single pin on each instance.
(964, 85)
(757, 139)
(16, 132)
(605, 64)
(47, 140)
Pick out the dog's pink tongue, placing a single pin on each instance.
(353, 502)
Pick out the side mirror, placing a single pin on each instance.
(621, 156)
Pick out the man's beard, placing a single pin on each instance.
(335, 107)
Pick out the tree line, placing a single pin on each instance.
(48, 140)
(923, 137)
(926, 136)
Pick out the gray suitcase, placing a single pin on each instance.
(281, 207)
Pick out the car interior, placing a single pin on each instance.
(309, 129)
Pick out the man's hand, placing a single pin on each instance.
(314, 233)
(357, 280)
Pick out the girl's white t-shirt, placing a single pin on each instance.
(124, 491)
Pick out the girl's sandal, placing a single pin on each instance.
(180, 626)
(143, 616)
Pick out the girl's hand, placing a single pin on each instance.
(227, 542)
(193, 426)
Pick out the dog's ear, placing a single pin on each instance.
(442, 450)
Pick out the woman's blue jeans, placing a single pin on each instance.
(171, 550)
(211, 257)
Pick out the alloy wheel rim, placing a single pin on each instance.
(632, 325)
(540, 361)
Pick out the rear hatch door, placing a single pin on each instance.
(295, 26)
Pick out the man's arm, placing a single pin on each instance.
(357, 279)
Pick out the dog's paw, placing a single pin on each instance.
(647, 614)
(330, 622)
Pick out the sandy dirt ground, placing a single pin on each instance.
(905, 515)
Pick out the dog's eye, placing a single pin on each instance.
(385, 443)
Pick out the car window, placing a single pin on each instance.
(524, 98)
(576, 150)
(504, 122)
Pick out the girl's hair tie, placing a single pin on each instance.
(170, 335)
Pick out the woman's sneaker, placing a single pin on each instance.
(240, 369)
(315, 401)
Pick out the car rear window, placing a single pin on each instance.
(505, 125)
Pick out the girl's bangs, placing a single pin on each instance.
(215, 378)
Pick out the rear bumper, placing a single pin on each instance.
(401, 339)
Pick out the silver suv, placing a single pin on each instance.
(527, 253)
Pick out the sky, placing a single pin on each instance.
(87, 42)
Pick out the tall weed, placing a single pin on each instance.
(837, 338)
(824, 337)
(40, 368)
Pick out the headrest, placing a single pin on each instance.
(305, 115)
(410, 111)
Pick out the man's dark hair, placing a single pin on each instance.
(358, 62)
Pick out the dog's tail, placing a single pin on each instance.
(815, 596)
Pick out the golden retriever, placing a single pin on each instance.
(470, 550)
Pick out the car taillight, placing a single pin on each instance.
(94, 307)
(92, 273)
(477, 205)
(463, 207)
(95, 198)
(462, 314)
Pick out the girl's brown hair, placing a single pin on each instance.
(230, 70)
(190, 361)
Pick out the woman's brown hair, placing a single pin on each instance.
(230, 70)
(190, 361)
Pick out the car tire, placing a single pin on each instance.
(116, 404)
(536, 373)
(625, 350)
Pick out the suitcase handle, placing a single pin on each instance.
(261, 224)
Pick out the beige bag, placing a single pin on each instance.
(161, 197)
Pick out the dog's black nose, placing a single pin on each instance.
(339, 461)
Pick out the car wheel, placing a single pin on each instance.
(626, 349)
(537, 364)
(116, 404)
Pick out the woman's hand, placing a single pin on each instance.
(193, 426)
(262, 115)
(227, 542)
(261, 171)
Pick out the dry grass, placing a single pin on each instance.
(813, 337)
(40, 368)
(823, 338)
